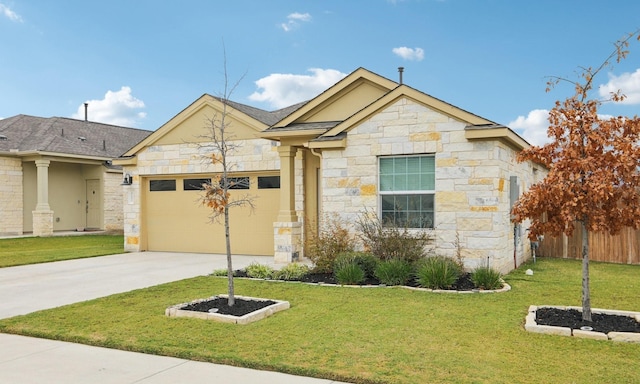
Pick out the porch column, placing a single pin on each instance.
(287, 184)
(43, 215)
(287, 230)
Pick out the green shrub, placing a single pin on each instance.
(368, 262)
(365, 260)
(391, 242)
(323, 245)
(438, 272)
(349, 273)
(394, 272)
(259, 271)
(486, 278)
(219, 272)
(293, 271)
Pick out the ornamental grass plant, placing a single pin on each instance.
(486, 278)
(394, 272)
(438, 272)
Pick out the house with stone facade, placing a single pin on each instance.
(56, 174)
(365, 144)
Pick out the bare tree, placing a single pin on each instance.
(220, 146)
(593, 163)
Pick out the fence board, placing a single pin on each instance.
(623, 248)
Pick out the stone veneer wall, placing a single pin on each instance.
(472, 181)
(175, 159)
(11, 217)
(113, 212)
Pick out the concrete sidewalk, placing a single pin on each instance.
(30, 288)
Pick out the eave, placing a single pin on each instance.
(496, 132)
(60, 157)
(126, 161)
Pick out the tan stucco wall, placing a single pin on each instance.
(11, 219)
(67, 196)
(472, 180)
(187, 158)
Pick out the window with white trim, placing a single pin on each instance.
(407, 191)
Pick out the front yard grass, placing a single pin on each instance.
(33, 250)
(370, 335)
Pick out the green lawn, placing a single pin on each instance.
(389, 335)
(33, 250)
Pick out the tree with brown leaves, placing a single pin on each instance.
(593, 181)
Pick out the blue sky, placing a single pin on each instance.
(139, 63)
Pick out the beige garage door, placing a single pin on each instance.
(174, 220)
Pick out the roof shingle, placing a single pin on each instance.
(67, 136)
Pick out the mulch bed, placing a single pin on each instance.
(240, 308)
(572, 318)
(463, 283)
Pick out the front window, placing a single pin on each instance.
(407, 190)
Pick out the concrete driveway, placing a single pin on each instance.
(29, 288)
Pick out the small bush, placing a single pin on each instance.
(219, 272)
(293, 271)
(349, 273)
(394, 272)
(391, 242)
(323, 245)
(486, 278)
(438, 272)
(259, 271)
(365, 260)
(368, 262)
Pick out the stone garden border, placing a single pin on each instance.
(629, 337)
(176, 311)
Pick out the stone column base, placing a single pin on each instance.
(42, 223)
(287, 237)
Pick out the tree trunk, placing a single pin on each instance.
(232, 299)
(586, 294)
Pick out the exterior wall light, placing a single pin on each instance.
(127, 179)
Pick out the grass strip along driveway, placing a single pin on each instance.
(370, 335)
(33, 250)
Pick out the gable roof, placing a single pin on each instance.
(256, 118)
(61, 135)
(354, 79)
(302, 126)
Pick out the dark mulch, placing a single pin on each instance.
(240, 308)
(463, 283)
(572, 318)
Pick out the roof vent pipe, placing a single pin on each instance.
(86, 107)
(400, 70)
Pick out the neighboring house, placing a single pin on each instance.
(366, 143)
(56, 174)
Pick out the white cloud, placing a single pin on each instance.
(11, 15)
(282, 89)
(533, 127)
(627, 83)
(117, 108)
(294, 20)
(416, 54)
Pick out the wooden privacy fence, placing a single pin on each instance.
(623, 248)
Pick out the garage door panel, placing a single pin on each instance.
(178, 221)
